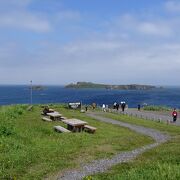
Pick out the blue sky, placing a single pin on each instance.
(103, 41)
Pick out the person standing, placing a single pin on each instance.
(123, 105)
(103, 108)
(139, 107)
(107, 108)
(114, 105)
(174, 115)
(117, 106)
(86, 107)
(93, 105)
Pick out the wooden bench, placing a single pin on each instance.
(90, 128)
(46, 119)
(61, 129)
(63, 118)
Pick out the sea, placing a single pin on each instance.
(21, 94)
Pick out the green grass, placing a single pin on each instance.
(31, 149)
(156, 108)
(162, 162)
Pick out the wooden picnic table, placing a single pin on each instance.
(75, 125)
(54, 115)
(51, 110)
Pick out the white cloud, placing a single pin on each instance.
(172, 6)
(15, 14)
(93, 60)
(68, 15)
(24, 20)
(14, 4)
(158, 29)
(135, 26)
(93, 46)
(128, 49)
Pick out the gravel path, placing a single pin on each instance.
(99, 166)
(151, 116)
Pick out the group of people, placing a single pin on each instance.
(93, 106)
(117, 106)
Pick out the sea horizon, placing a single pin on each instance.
(40, 84)
(20, 94)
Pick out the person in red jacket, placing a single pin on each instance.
(174, 115)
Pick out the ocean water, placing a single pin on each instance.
(169, 96)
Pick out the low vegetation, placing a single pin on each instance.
(31, 149)
(156, 108)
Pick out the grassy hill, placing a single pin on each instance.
(31, 149)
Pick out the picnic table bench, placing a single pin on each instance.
(75, 125)
(51, 110)
(90, 128)
(60, 129)
(63, 118)
(54, 115)
(46, 119)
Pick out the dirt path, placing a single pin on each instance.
(103, 165)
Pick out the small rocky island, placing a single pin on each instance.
(37, 87)
(80, 85)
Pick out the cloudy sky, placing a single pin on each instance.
(103, 41)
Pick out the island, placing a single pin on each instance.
(37, 87)
(81, 85)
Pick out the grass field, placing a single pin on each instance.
(162, 163)
(31, 149)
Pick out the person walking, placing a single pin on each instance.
(174, 115)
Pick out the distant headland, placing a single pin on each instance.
(81, 85)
